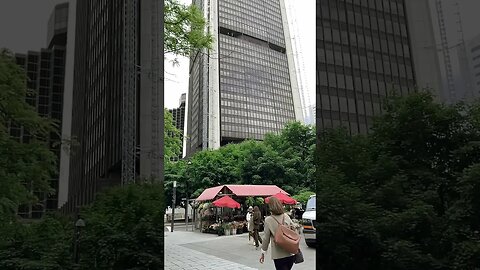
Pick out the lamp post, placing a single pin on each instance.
(186, 198)
(173, 202)
(79, 224)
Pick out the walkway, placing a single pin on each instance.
(194, 250)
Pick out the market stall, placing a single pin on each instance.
(228, 219)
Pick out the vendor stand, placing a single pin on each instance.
(235, 216)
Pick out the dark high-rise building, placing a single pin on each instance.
(179, 118)
(179, 114)
(45, 71)
(246, 85)
(117, 99)
(473, 52)
(364, 51)
(57, 25)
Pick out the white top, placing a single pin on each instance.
(249, 224)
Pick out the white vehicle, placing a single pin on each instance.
(309, 222)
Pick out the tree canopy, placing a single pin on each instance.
(278, 160)
(124, 229)
(26, 165)
(185, 29)
(173, 137)
(401, 197)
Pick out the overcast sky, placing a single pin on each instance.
(23, 23)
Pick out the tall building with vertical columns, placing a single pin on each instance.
(116, 98)
(473, 52)
(246, 85)
(178, 115)
(45, 70)
(365, 50)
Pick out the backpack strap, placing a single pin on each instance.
(283, 220)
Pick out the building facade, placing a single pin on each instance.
(117, 97)
(178, 115)
(365, 51)
(58, 25)
(246, 85)
(45, 71)
(473, 51)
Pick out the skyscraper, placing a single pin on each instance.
(246, 85)
(364, 51)
(58, 26)
(473, 51)
(117, 98)
(179, 118)
(45, 71)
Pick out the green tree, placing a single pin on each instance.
(399, 197)
(296, 145)
(303, 196)
(276, 161)
(173, 138)
(44, 244)
(124, 229)
(25, 166)
(185, 29)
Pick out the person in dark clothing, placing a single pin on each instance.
(257, 219)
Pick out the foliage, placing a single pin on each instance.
(44, 244)
(185, 29)
(276, 161)
(402, 196)
(173, 138)
(259, 201)
(21, 162)
(124, 229)
(303, 196)
(250, 201)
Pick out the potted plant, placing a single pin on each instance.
(250, 201)
(220, 230)
(234, 228)
(259, 201)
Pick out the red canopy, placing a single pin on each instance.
(255, 190)
(209, 193)
(283, 198)
(226, 201)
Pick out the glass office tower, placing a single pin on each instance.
(113, 121)
(245, 86)
(45, 70)
(363, 53)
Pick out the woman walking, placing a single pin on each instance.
(282, 259)
(257, 219)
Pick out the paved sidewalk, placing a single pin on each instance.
(195, 250)
(179, 257)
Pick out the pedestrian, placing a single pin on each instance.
(249, 218)
(282, 259)
(257, 219)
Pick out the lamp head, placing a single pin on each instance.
(80, 223)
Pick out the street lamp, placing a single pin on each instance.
(173, 202)
(186, 198)
(79, 224)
